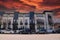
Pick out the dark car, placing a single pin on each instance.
(24, 30)
(57, 31)
(42, 30)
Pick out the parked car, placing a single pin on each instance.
(42, 31)
(24, 31)
(49, 31)
(57, 31)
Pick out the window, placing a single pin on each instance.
(4, 25)
(40, 21)
(21, 23)
(50, 19)
(26, 23)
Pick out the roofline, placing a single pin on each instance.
(48, 11)
(24, 13)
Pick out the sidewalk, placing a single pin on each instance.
(30, 37)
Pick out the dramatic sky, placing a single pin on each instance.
(30, 5)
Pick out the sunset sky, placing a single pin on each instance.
(30, 5)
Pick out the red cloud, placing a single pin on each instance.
(29, 5)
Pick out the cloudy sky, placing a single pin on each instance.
(30, 5)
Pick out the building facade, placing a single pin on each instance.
(14, 22)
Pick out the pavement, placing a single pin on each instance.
(30, 37)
